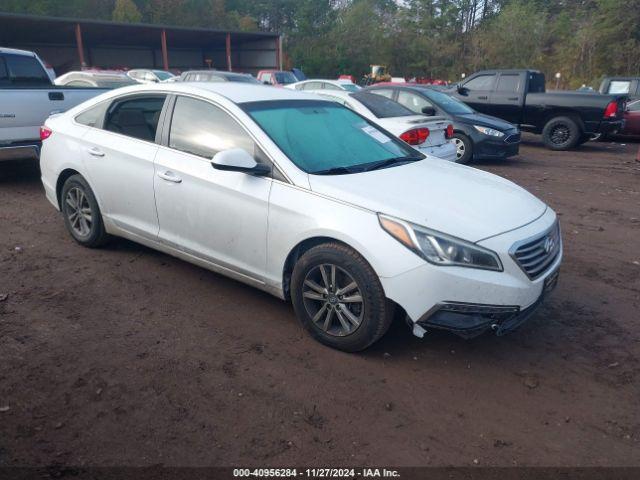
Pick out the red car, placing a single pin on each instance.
(279, 78)
(632, 119)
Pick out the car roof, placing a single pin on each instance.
(15, 51)
(233, 91)
(335, 93)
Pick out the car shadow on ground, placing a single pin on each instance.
(19, 171)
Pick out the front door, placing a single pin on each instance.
(477, 92)
(218, 216)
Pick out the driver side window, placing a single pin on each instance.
(214, 131)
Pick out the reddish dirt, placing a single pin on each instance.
(126, 356)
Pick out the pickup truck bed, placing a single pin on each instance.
(27, 99)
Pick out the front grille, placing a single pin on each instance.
(534, 256)
(513, 138)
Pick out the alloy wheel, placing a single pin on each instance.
(78, 211)
(560, 134)
(333, 300)
(460, 148)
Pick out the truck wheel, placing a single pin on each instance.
(464, 148)
(561, 133)
(338, 298)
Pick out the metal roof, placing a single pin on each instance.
(37, 29)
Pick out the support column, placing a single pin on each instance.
(165, 54)
(229, 51)
(279, 52)
(80, 46)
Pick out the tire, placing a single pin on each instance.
(84, 222)
(350, 325)
(464, 148)
(561, 133)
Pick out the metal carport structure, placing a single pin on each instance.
(70, 44)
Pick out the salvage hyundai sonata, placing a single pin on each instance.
(306, 199)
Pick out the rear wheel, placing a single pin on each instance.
(82, 215)
(561, 133)
(338, 298)
(464, 148)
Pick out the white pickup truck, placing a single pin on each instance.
(27, 99)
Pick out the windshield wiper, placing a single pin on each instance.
(335, 171)
(391, 162)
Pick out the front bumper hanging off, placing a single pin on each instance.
(470, 320)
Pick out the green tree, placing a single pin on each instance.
(126, 11)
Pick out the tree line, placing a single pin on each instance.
(584, 40)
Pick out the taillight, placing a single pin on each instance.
(612, 110)
(449, 133)
(417, 136)
(45, 133)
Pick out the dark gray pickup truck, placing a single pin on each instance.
(565, 119)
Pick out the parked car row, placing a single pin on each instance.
(310, 199)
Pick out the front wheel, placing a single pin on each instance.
(561, 133)
(464, 148)
(338, 298)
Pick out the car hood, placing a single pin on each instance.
(448, 197)
(485, 121)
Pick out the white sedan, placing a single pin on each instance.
(305, 199)
(429, 135)
(319, 84)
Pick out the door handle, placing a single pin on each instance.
(169, 176)
(96, 152)
(483, 97)
(513, 98)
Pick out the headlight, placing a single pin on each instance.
(492, 132)
(438, 248)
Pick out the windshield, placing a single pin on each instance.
(243, 79)
(449, 104)
(284, 78)
(382, 107)
(162, 75)
(350, 87)
(324, 137)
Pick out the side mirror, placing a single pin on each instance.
(429, 111)
(238, 160)
(464, 91)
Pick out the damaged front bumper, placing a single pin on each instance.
(469, 320)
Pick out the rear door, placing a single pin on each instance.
(477, 92)
(119, 155)
(215, 215)
(507, 99)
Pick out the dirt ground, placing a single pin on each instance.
(126, 356)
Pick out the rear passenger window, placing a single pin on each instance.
(214, 131)
(27, 71)
(413, 102)
(383, 92)
(330, 86)
(508, 83)
(94, 116)
(136, 117)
